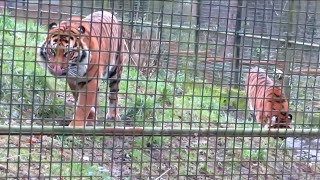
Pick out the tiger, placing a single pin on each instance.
(84, 50)
(266, 100)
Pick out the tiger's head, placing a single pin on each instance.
(64, 52)
(281, 121)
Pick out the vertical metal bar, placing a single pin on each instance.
(12, 87)
(215, 51)
(208, 42)
(254, 22)
(108, 82)
(26, 20)
(60, 10)
(159, 56)
(237, 43)
(197, 29)
(180, 37)
(131, 11)
(1, 77)
(106, 5)
(220, 106)
(245, 11)
(196, 53)
(39, 19)
(288, 46)
(236, 67)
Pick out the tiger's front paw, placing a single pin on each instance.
(113, 116)
(77, 123)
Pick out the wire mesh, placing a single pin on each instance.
(185, 109)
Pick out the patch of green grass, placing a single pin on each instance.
(306, 119)
(24, 85)
(204, 168)
(175, 98)
(254, 154)
(53, 161)
(79, 169)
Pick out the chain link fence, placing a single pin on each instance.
(184, 111)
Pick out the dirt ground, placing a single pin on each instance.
(119, 157)
(181, 158)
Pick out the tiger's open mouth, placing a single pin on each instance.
(281, 125)
(60, 73)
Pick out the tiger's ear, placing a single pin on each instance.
(52, 25)
(290, 116)
(81, 29)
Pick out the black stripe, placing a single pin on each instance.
(114, 90)
(83, 55)
(43, 54)
(113, 81)
(81, 84)
(113, 72)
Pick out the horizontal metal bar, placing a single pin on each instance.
(155, 131)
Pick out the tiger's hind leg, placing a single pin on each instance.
(114, 82)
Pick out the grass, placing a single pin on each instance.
(166, 99)
(22, 82)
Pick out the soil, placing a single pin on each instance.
(177, 158)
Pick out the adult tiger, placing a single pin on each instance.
(84, 52)
(267, 100)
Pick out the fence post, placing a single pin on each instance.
(159, 31)
(236, 49)
(131, 12)
(288, 46)
(197, 30)
(106, 4)
(39, 20)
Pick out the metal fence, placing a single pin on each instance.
(182, 94)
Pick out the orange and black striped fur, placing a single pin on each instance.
(85, 52)
(267, 100)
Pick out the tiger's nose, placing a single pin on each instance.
(56, 70)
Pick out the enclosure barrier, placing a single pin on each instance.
(156, 131)
(183, 97)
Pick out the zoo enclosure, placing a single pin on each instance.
(239, 33)
(220, 39)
